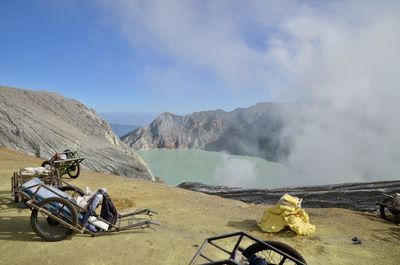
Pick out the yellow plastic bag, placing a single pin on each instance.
(287, 213)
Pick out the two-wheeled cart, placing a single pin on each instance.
(66, 162)
(389, 207)
(56, 215)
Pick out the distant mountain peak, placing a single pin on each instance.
(251, 131)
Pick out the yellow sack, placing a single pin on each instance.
(287, 213)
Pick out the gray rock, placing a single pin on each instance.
(42, 123)
(254, 131)
(354, 196)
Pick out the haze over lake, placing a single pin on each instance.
(176, 166)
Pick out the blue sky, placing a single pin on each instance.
(67, 47)
(106, 55)
(178, 56)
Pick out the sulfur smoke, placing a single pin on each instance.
(348, 66)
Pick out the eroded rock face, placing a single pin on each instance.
(174, 131)
(43, 123)
(251, 131)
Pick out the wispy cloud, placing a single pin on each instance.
(227, 40)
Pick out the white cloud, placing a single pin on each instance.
(210, 36)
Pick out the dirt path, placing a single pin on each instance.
(187, 218)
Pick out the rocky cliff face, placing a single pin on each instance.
(43, 123)
(251, 131)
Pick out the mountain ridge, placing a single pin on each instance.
(42, 123)
(254, 131)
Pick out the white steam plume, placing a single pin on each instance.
(349, 66)
(236, 172)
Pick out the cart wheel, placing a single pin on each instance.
(45, 163)
(261, 254)
(72, 191)
(53, 230)
(74, 170)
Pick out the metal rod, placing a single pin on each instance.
(203, 245)
(222, 262)
(219, 247)
(140, 224)
(233, 254)
(78, 160)
(205, 257)
(139, 211)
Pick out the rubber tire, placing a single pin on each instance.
(45, 163)
(72, 188)
(258, 247)
(46, 237)
(74, 176)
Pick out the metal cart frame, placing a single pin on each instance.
(66, 213)
(51, 177)
(70, 165)
(389, 207)
(288, 253)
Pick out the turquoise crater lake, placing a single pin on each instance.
(177, 165)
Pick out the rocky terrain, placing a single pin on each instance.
(355, 196)
(186, 218)
(254, 131)
(42, 123)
